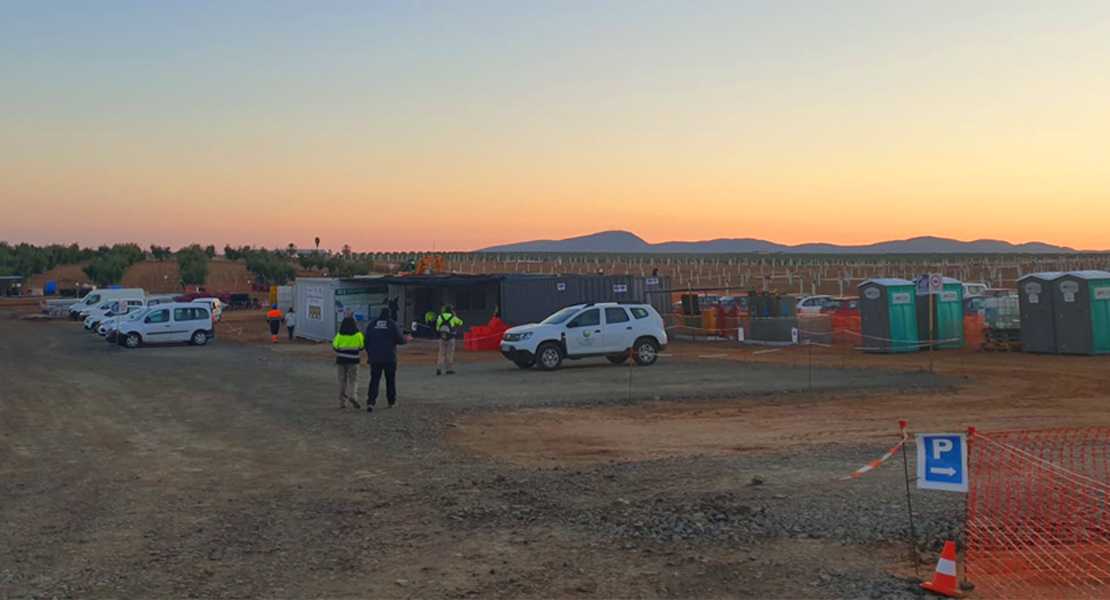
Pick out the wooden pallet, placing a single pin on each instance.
(1001, 340)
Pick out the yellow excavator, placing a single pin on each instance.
(428, 265)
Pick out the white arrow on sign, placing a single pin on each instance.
(949, 471)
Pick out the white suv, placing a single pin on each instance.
(614, 330)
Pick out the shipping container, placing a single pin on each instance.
(323, 302)
(529, 299)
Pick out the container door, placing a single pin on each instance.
(874, 317)
(1073, 321)
(584, 334)
(1100, 315)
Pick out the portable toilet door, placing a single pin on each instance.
(1074, 298)
(1038, 315)
(948, 315)
(888, 315)
(1100, 314)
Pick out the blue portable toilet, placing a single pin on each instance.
(50, 289)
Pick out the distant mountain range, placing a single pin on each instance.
(623, 242)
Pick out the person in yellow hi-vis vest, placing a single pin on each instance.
(447, 325)
(348, 345)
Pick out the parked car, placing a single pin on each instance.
(1001, 293)
(614, 330)
(974, 289)
(113, 308)
(178, 322)
(845, 304)
(811, 305)
(974, 305)
(215, 305)
(97, 297)
(108, 323)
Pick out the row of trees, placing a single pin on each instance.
(192, 264)
(108, 264)
(27, 261)
(108, 267)
(161, 253)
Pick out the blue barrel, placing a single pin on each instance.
(51, 288)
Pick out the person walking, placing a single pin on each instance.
(394, 307)
(348, 345)
(290, 322)
(382, 338)
(447, 325)
(274, 317)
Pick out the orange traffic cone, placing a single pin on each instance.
(944, 581)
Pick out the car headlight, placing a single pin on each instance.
(525, 335)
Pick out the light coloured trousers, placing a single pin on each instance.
(446, 360)
(348, 383)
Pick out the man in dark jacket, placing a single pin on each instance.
(382, 338)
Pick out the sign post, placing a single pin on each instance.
(942, 461)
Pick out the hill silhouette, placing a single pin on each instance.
(624, 242)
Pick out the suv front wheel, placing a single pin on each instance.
(132, 340)
(549, 356)
(645, 352)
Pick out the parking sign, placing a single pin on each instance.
(942, 461)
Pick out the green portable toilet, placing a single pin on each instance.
(1081, 300)
(888, 315)
(948, 316)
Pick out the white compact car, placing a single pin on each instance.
(215, 305)
(812, 305)
(111, 309)
(614, 330)
(167, 323)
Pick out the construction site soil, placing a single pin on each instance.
(228, 471)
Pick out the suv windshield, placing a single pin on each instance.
(560, 317)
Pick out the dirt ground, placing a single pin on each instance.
(227, 471)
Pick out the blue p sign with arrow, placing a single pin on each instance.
(942, 461)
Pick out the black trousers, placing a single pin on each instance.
(376, 370)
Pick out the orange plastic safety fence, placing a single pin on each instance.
(1038, 514)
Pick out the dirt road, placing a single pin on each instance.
(226, 471)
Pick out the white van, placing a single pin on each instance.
(96, 297)
(167, 323)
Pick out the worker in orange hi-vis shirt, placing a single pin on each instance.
(274, 317)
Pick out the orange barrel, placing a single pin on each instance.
(973, 331)
(708, 322)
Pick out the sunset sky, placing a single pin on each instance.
(403, 125)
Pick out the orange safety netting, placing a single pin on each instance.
(1038, 518)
